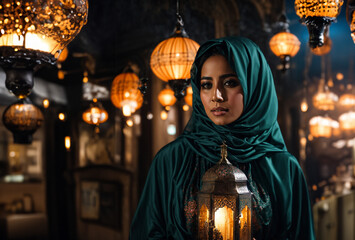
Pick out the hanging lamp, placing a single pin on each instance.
(166, 97)
(125, 93)
(317, 15)
(322, 126)
(95, 114)
(350, 16)
(172, 58)
(33, 33)
(22, 118)
(347, 121)
(348, 98)
(324, 99)
(284, 44)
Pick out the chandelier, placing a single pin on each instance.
(322, 126)
(33, 33)
(125, 93)
(347, 121)
(317, 15)
(324, 99)
(172, 59)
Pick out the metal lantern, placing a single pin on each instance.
(22, 118)
(172, 59)
(224, 203)
(35, 32)
(317, 15)
(125, 93)
(284, 45)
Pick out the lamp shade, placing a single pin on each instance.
(47, 26)
(172, 59)
(166, 97)
(284, 44)
(95, 115)
(125, 93)
(22, 118)
(322, 126)
(317, 15)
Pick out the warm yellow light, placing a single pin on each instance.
(340, 76)
(322, 126)
(316, 8)
(85, 79)
(347, 121)
(352, 26)
(284, 44)
(188, 97)
(245, 223)
(163, 115)
(67, 142)
(61, 116)
(172, 58)
(129, 123)
(185, 107)
(347, 100)
(304, 105)
(61, 75)
(45, 103)
(63, 55)
(40, 26)
(303, 141)
(204, 220)
(224, 222)
(95, 115)
(166, 97)
(125, 93)
(325, 100)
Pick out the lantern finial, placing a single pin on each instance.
(224, 153)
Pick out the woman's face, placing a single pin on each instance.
(221, 93)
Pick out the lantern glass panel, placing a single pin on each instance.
(245, 223)
(224, 222)
(204, 222)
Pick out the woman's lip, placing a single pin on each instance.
(219, 111)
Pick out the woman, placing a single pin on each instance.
(234, 100)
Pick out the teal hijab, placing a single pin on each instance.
(256, 132)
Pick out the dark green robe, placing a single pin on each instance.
(281, 207)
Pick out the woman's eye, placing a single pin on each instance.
(231, 83)
(206, 85)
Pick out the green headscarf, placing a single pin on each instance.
(256, 132)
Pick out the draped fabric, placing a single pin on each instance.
(168, 206)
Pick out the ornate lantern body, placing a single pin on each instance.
(284, 45)
(35, 32)
(172, 59)
(166, 97)
(323, 126)
(22, 118)
(224, 203)
(125, 93)
(317, 15)
(347, 100)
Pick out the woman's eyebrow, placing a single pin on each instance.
(206, 78)
(228, 75)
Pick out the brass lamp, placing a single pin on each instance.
(172, 59)
(125, 93)
(224, 203)
(95, 114)
(317, 15)
(22, 118)
(35, 32)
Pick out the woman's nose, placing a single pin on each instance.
(217, 96)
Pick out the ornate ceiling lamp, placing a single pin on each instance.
(95, 115)
(347, 100)
(317, 15)
(172, 58)
(33, 33)
(22, 118)
(325, 99)
(188, 97)
(125, 93)
(322, 126)
(347, 121)
(166, 97)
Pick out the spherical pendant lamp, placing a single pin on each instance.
(317, 15)
(125, 93)
(35, 32)
(166, 97)
(22, 118)
(284, 45)
(172, 59)
(95, 115)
